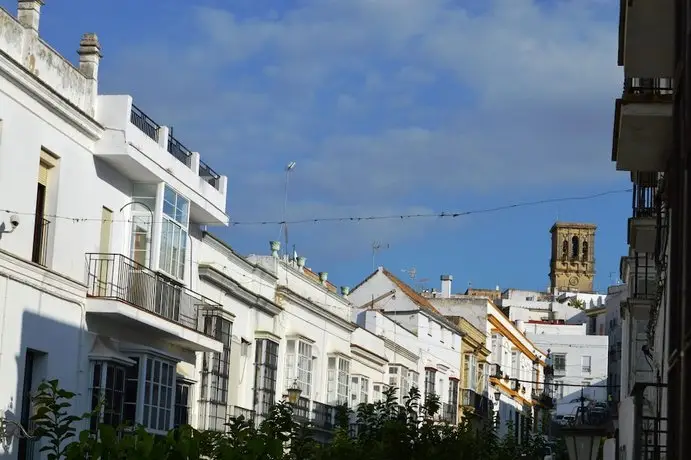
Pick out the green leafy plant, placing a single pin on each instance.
(385, 430)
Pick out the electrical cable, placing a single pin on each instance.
(315, 220)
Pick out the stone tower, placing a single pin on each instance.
(572, 263)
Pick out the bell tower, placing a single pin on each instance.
(572, 263)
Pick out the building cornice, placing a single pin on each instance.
(316, 309)
(231, 287)
(400, 350)
(218, 244)
(49, 98)
(368, 355)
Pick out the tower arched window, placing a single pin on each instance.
(584, 250)
(574, 247)
(565, 249)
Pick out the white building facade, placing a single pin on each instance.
(579, 360)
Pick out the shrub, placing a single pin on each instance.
(384, 430)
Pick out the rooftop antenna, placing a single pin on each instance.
(284, 225)
(412, 272)
(421, 283)
(377, 246)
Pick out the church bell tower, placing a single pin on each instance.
(572, 264)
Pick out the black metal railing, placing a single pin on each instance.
(643, 201)
(116, 277)
(323, 416)
(644, 282)
(178, 150)
(449, 413)
(144, 123)
(649, 88)
(479, 403)
(39, 253)
(247, 414)
(208, 174)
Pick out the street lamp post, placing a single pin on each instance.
(294, 393)
(583, 442)
(497, 397)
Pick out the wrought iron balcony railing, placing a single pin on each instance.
(648, 89)
(144, 123)
(116, 277)
(149, 127)
(479, 403)
(323, 416)
(643, 201)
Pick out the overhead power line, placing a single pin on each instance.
(443, 214)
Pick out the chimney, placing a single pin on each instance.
(29, 13)
(446, 286)
(89, 56)
(275, 247)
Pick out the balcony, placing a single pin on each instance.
(646, 37)
(643, 125)
(323, 416)
(638, 270)
(449, 413)
(145, 151)
(132, 298)
(39, 253)
(642, 227)
(475, 403)
(247, 414)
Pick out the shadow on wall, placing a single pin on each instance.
(48, 349)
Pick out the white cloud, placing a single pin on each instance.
(381, 100)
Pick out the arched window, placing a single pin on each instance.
(574, 247)
(565, 249)
(584, 248)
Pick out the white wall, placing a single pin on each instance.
(576, 347)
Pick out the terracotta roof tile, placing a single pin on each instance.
(410, 292)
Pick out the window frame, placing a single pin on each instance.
(338, 379)
(138, 380)
(430, 381)
(559, 370)
(299, 365)
(266, 358)
(100, 367)
(170, 265)
(182, 406)
(215, 372)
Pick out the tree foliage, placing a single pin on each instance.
(384, 430)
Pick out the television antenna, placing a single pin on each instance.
(377, 246)
(412, 272)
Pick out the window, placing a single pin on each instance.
(216, 375)
(46, 168)
(585, 250)
(430, 377)
(482, 377)
(515, 365)
(377, 392)
(338, 379)
(470, 371)
(574, 247)
(174, 233)
(359, 390)
(414, 379)
(158, 394)
(565, 249)
(182, 403)
(299, 366)
(453, 398)
(143, 206)
(559, 363)
(398, 378)
(266, 367)
(585, 364)
(153, 379)
(108, 387)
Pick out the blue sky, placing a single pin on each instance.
(388, 107)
